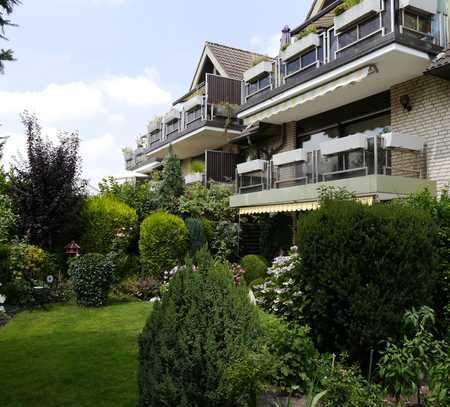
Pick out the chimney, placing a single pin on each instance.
(285, 36)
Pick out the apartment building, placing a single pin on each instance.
(202, 122)
(359, 97)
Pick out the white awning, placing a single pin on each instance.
(339, 145)
(129, 175)
(346, 80)
(289, 157)
(405, 141)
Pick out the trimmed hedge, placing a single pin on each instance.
(203, 328)
(92, 276)
(362, 267)
(255, 267)
(163, 243)
(102, 217)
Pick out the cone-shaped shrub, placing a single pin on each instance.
(197, 237)
(199, 332)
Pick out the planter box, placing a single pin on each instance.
(426, 6)
(310, 41)
(356, 14)
(193, 102)
(289, 157)
(193, 178)
(258, 70)
(174, 114)
(154, 125)
(340, 145)
(251, 166)
(404, 141)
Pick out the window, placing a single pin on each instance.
(417, 22)
(172, 127)
(259, 84)
(155, 136)
(359, 32)
(301, 62)
(193, 115)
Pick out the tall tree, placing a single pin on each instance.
(172, 183)
(6, 8)
(47, 187)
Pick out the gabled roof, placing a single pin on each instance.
(229, 62)
(441, 65)
(317, 6)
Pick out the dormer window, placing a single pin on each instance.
(258, 85)
(172, 127)
(415, 21)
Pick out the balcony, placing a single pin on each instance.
(381, 166)
(196, 123)
(397, 39)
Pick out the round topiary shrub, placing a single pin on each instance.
(197, 237)
(102, 218)
(92, 276)
(201, 330)
(255, 267)
(162, 244)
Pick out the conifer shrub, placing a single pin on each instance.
(361, 268)
(255, 267)
(102, 218)
(201, 330)
(163, 243)
(197, 236)
(92, 277)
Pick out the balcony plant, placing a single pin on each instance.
(344, 6)
(127, 152)
(257, 59)
(311, 29)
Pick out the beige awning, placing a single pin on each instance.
(294, 207)
(346, 80)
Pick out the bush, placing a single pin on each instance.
(163, 243)
(293, 354)
(255, 267)
(202, 328)
(142, 288)
(171, 187)
(102, 218)
(7, 218)
(197, 237)
(362, 267)
(211, 202)
(28, 262)
(226, 240)
(208, 228)
(92, 276)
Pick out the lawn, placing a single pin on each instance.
(71, 356)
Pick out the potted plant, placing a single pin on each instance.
(304, 40)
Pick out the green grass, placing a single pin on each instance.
(72, 356)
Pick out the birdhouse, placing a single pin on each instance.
(72, 249)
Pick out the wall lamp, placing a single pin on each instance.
(405, 101)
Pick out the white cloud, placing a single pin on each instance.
(101, 155)
(76, 100)
(266, 45)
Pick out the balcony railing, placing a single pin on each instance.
(211, 102)
(343, 158)
(359, 28)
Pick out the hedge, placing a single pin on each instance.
(163, 243)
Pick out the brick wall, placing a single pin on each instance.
(429, 118)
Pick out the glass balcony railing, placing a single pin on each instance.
(348, 157)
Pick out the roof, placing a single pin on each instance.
(317, 6)
(441, 65)
(234, 61)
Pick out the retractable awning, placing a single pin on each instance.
(323, 90)
(294, 207)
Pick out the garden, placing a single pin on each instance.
(152, 305)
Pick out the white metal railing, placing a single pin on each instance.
(384, 154)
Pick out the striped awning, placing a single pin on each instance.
(294, 207)
(323, 90)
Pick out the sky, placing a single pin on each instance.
(107, 67)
